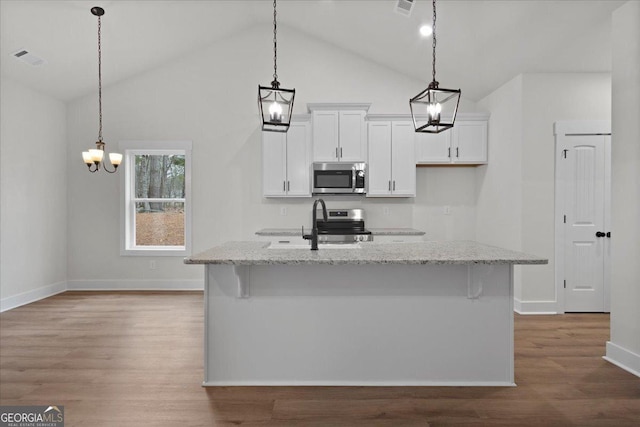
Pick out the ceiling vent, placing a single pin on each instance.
(405, 7)
(28, 57)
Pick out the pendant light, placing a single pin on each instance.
(434, 109)
(95, 157)
(275, 104)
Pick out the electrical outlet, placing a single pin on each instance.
(152, 264)
(446, 210)
(283, 211)
(385, 210)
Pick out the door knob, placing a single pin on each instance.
(600, 234)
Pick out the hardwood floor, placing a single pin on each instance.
(135, 359)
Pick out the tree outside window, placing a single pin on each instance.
(156, 200)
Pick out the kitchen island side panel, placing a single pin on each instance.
(360, 325)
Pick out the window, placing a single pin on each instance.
(157, 198)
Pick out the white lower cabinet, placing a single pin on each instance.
(392, 165)
(465, 143)
(286, 162)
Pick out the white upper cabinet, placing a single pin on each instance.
(392, 166)
(470, 142)
(466, 143)
(286, 162)
(352, 136)
(433, 147)
(339, 132)
(403, 161)
(325, 136)
(379, 170)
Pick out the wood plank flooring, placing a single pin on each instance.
(135, 359)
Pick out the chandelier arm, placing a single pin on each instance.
(104, 166)
(96, 169)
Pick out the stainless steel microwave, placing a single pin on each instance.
(339, 178)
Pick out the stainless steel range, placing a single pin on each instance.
(342, 226)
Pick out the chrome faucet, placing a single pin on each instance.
(314, 231)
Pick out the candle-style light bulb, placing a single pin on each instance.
(434, 109)
(275, 112)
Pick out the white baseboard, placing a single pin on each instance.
(623, 358)
(99, 285)
(32, 296)
(301, 383)
(135, 285)
(535, 307)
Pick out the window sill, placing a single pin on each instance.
(155, 252)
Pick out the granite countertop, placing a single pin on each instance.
(374, 231)
(396, 232)
(448, 252)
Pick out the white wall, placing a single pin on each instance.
(209, 97)
(624, 347)
(33, 253)
(537, 101)
(549, 98)
(499, 183)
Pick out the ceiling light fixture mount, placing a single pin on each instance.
(94, 157)
(276, 104)
(434, 109)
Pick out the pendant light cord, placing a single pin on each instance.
(100, 78)
(434, 41)
(275, 83)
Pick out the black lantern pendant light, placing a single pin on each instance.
(95, 157)
(434, 109)
(275, 104)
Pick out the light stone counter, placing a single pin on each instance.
(375, 231)
(446, 252)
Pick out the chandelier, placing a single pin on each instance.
(275, 104)
(95, 157)
(434, 109)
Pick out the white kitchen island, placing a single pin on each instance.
(428, 313)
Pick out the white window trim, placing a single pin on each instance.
(129, 149)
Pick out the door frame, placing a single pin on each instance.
(561, 131)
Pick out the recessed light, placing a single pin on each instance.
(425, 31)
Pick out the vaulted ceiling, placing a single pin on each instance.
(481, 44)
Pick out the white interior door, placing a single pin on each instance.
(586, 245)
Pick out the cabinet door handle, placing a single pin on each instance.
(394, 185)
(457, 152)
(288, 185)
(337, 153)
(340, 152)
(389, 185)
(284, 185)
(449, 152)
